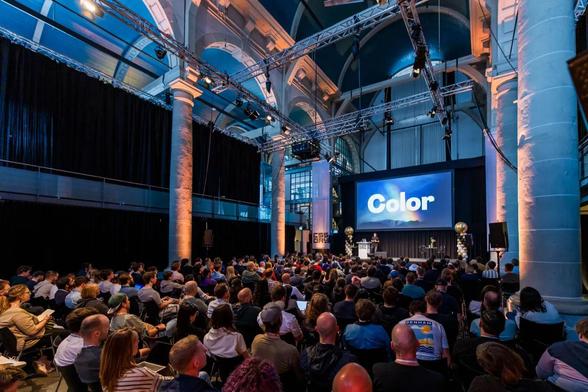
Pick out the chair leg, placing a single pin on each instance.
(59, 383)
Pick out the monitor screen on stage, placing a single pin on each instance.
(405, 203)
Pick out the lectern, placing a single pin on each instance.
(363, 248)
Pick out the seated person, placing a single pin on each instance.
(89, 299)
(75, 295)
(148, 293)
(389, 314)
(70, 347)
(371, 282)
(118, 370)
(10, 378)
(46, 288)
(246, 316)
(322, 361)
(504, 370)
(534, 308)
(221, 292)
(289, 323)
(433, 299)
(253, 374)
(509, 276)
(565, 364)
(491, 301)
(365, 334)
(188, 357)
(352, 378)
(410, 289)
(187, 322)
(126, 285)
(405, 373)
(94, 331)
(344, 310)
(433, 344)
(223, 340)
(168, 286)
(63, 286)
(27, 328)
(121, 318)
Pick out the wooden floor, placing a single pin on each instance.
(48, 384)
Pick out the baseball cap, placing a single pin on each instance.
(271, 315)
(115, 302)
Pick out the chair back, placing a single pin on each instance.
(159, 353)
(544, 333)
(404, 301)
(8, 341)
(472, 290)
(225, 366)
(72, 379)
(510, 288)
(150, 313)
(368, 358)
(135, 305)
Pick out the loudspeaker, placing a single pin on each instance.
(498, 235)
(208, 239)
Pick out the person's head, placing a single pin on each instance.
(80, 281)
(433, 299)
(18, 293)
(231, 272)
(316, 275)
(390, 296)
(417, 307)
(272, 319)
(371, 272)
(318, 304)
(245, 296)
(62, 283)
(410, 278)
(187, 314)
(222, 317)
(251, 266)
(117, 303)
(491, 298)
(286, 278)
(351, 292)
(508, 267)
(90, 290)
(515, 262)
(191, 288)
(10, 378)
(175, 266)
(404, 342)
(221, 291)
(531, 300)
(74, 320)
(365, 309)
(149, 278)
(500, 361)
(492, 323)
(94, 329)
(167, 275)
(352, 378)
(118, 356)
(188, 356)
(38, 276)
(125, 279)
(253, 375)
(582, 329)
(24, 271)
(278, 293)
(327, 328)
(441, 285)
(51, 276)
(491, 265)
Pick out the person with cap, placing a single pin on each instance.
(272, 348)
(119, 311)
(352, 378)
(410, 289)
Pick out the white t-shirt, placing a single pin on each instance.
(224, 343)
(431, 336)
(68, 350)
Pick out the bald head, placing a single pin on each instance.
(244, 296)
(191, 288)
(404, 342)
(326, 326)
(352, 378)
(286, 278)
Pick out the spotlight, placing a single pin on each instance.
(433, 112)
(90, 9)
(269, 119)
(444, 120)
(434, 85)
(416, 72)
(160, 52)
(286, 130)
(420, 60)
(447, 135)
(268, 86)
(248, 111)
(238, 102)
(388, 119)
(252, 114)
(207, 80)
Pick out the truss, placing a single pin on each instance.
(360, 120)
(144, 27)
(580, 8)
(341, 30)
(411, 19)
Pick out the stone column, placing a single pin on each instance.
(505, 133)
(548, 178)
(180, 178)
(278, 223)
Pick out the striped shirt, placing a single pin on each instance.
(490, 274)
(139, 379)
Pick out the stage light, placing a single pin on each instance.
(444, 120)
(160, 52)
(247, 111)
(434, 85)
(207, 80)
(416, 72)
(420, 60)
(433, 112)
(90, 9)
(269, 119)
(286, 130)
(388, 119)
(252, 114)
(239, 102)
(447, 135)
(268, 86)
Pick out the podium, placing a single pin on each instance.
(363, 248)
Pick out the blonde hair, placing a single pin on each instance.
(117, 357)
(90, 290)
(501, 362)
(230, 273)
(15, 293)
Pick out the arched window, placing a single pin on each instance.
(344, 160)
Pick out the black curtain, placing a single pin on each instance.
(54, 116)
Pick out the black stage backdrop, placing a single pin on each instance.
(54, 116)
(469, 206)
(61, 237)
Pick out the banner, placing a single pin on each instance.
(321, 205)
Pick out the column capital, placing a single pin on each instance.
(187, 91)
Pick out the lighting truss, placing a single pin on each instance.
(93, 73)
(417, 38)
(580, 8)
(116, 9)
(353, 122)
(366, 19)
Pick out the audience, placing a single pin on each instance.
(221, 292)
(365, 334)
(410, 289)
(89, 298)
(121, 318)
(246, 316)
(254, 375)
(389, 313)
(46, 288)
(188, 358)
(94, 331)
(223, 340)
(534, 308)
(75, 295)
(72, 345)
(289, 325)
(352, 378)
(405, 373)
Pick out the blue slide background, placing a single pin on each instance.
(439, 214)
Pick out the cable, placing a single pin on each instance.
(496, 40)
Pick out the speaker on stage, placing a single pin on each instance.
(498, 235)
